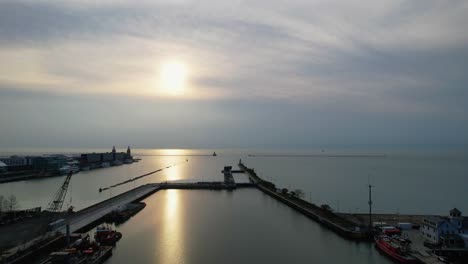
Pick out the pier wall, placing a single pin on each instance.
(321, 219)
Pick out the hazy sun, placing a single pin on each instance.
(173, 76)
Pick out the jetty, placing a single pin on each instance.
(90, 216)
(323, 216)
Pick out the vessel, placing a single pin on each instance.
(394, 247)
(71, 166)
(117, 163)
(106, 235)
(122, 214)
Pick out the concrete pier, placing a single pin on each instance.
(340, 225)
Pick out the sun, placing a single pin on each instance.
(173, 76)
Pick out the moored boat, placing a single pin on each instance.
(107, 236)
(395, 247)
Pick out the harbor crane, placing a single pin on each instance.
(57, 201)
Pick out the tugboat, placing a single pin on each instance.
(107, 236)
(82, 251)
(395, 247)
(214, 154)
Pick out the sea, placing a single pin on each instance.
(247, 226)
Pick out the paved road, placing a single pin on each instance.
(88, 215)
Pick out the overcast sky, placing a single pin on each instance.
(279, 74)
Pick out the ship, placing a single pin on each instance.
(71, 166)
(395, 247)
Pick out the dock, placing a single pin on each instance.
(332, 221)
(87, 217)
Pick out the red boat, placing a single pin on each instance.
(395, 248)
(107, 236)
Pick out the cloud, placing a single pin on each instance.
(392, 58)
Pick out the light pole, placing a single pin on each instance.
(370, 206)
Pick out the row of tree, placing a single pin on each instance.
(8, 204)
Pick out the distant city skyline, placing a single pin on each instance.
(211, 74)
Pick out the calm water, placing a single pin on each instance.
(246, 225)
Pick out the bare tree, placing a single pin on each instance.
(1, 204)
(11, 203)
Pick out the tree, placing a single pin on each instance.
(284, 191)
(1, 204)
(326, 207)
(11, 203)
(299, 193)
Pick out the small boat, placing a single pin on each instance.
(105, 165)
(123, 213)
(107, 236)
(214, 154)
(395, 247)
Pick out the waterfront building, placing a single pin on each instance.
(433, 227)
(17, 160)
(97, 159)
(3, 167)
(49, 163)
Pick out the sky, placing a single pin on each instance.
(247, 74)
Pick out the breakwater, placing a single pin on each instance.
(325, 217)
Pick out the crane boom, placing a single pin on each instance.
(57, 201)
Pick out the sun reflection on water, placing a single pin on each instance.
(172, 233)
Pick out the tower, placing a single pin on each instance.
(129, 153)
(113, 153)
(456, 218)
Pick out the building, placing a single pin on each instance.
(16, 160)
(433, 228)
(49, 163)
(3, 167)
(95, 159)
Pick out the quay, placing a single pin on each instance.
(332, 221)
(89, 216)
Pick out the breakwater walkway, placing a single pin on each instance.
(90, 215)
(325, 217)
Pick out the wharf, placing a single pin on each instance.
(340, 225)
(389, 219)
(89, 216)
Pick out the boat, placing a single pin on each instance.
(395, 247)
(71, 166)
(123, 213)
(117, 163)
(105, 165)
(128, 161)
(214, 154)
(106, 235)
(82, 251)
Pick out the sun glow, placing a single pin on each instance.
(173, 76)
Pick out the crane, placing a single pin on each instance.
(57, 201)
